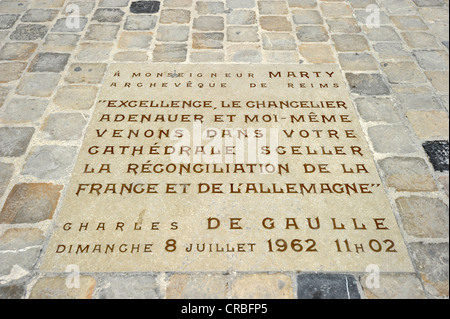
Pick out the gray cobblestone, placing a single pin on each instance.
(22, 110)
(272, 7)
(172, 33)
(3, 95)
(444, 182)
(47, 3)
(242, 34)
(281, 57)
(3, 35)
(417, 101)
(141, 22)
(420, 40)
(170, 53)
(367, 84)
(350, 43)
(7, 21)
(86, 97)
(40, 85)
(403, 72)
(439, 79)
(24, 259)
(402, 144)
(312, 34)
(94, 52)
(29, 32)
(440, 29)
(302, 3)
(141, 287)
(49, 62)
(12, 291)
(21, 238)
(432, 262)
(209, 23)
(247, 54)
(85, 73)
(358, 62)
(14, 140)
(429, 3)
(135, 40)
(336, 9)
(206, 7)
(177, 3)
(430, 14)
(382, 34)
(237, 4)
(179, 16)
(113, 3)
(39, 15)
(99, 32)
(432, 60)
(343, 25)
(392, 51)
(241, 17)
(362, 3)
(6, 172)
(111, 15)
(61, 42)
(50, 162)
(64, 126)
(278, 41)
(444, 99)
(409, 23)
(399, 7)
(424, 217)
(13, 6)
(213, 40)
(327, 286)
(307, 17)
(139, 7)
(378, 109)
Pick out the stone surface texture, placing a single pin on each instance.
(396, 67)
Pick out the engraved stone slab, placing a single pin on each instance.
(225, 168)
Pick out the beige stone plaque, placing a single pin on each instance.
(225, 168)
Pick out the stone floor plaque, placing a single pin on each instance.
(225, 168)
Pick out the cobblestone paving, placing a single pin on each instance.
(397, 72)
